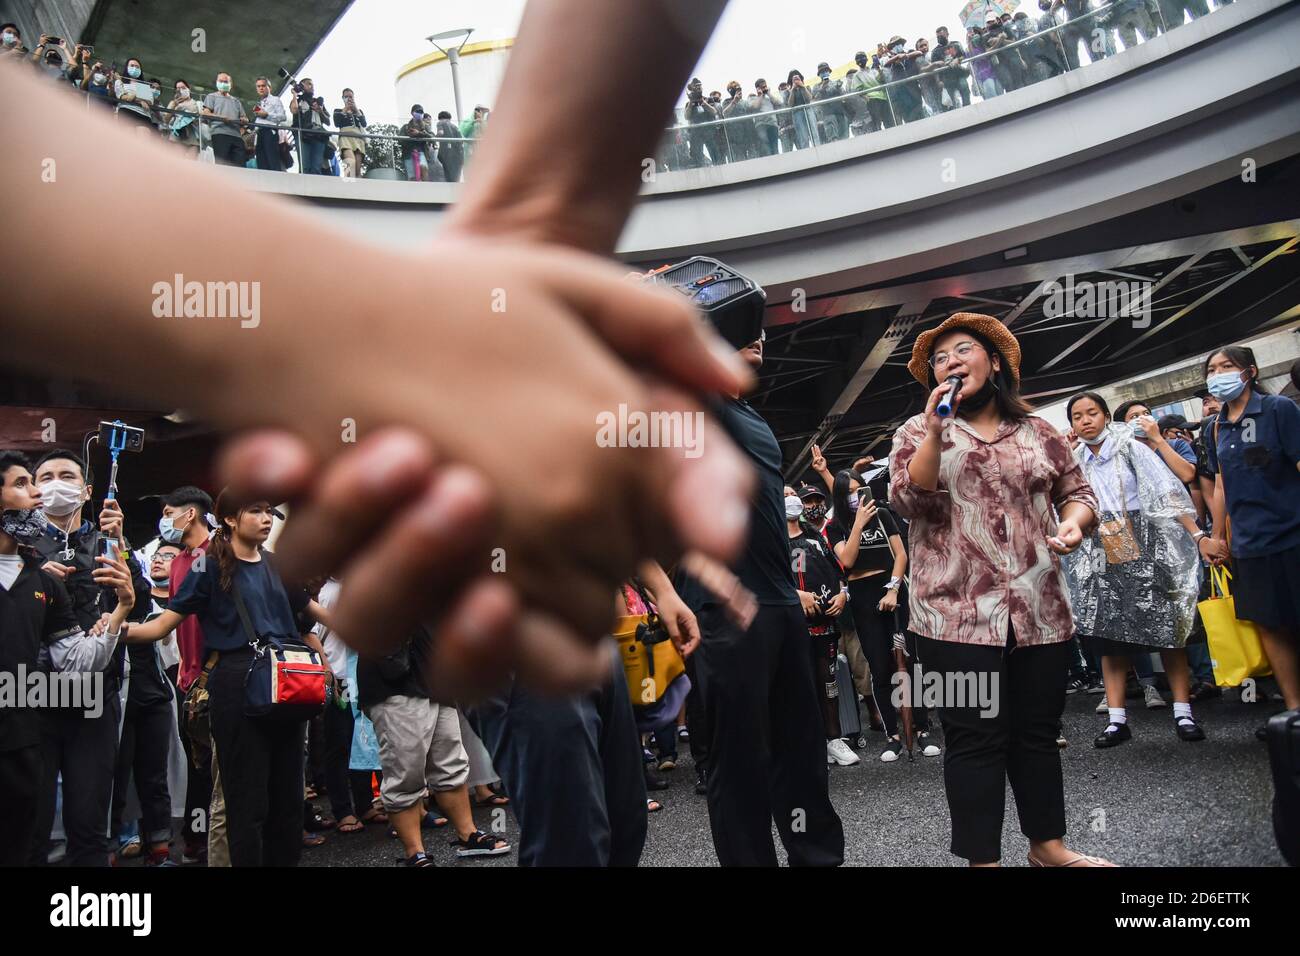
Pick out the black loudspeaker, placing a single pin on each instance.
(732, 302)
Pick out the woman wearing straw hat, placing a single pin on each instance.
(992, 492)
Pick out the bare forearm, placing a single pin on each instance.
(106, 312)
(1079, 513)
(644, 49)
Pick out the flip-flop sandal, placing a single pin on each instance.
(312, 839)
(356, 827)
(496, 800)
(374, 815)
(433, 821)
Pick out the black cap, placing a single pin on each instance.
(417, 107)
(809, 491)
(1166, 422)
(823, 66)
(861, 55)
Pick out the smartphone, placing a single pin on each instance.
(122, 436)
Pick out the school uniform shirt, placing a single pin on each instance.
(1257, 457)
(874, 552)
(38, 624)
(980, 562)
(271, 609)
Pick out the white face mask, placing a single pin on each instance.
(182, 93)
(98, 79)
(793, 506)
(1101, 437)
(61, 498)
(10, 38)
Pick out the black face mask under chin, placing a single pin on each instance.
(981, 398)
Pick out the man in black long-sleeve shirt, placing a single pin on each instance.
(766, 747)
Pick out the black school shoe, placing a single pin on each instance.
(1189, 730)
(1113, 736)
(418, 859)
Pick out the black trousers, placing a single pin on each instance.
(84, 750)
(20, 776)
(767, 744)
(198, 780)
(268, 150)
(1013, 740)
(572, 767)
(338, 751)
(142, 754)
(229, 150)
(261, 771)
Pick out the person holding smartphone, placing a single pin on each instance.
(869, 544)
(351, 122)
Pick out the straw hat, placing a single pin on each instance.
(985, 325)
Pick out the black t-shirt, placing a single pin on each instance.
(874, 552)
(271, 608)
(764, 566)
(400, 674)
(147, 684)
(34, 611)
(815, 569)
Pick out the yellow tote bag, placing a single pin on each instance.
(650, 667)
(1235, 649)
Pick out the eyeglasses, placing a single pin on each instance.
(962, 351)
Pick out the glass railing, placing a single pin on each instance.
(867, 101)
(875, 99)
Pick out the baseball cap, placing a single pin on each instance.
(1166, 422)
(809, 491)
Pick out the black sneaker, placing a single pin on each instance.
(1188, 729)
(418, 859)
(1076, 685)
(701, 781)
(892, 749)
(1113, 736)
(1095, 685)
(480, 844)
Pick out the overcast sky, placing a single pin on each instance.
(375, 38)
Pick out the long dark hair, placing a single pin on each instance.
(843, 519)
(1243, 357)
(1007, 397)
(221, 548)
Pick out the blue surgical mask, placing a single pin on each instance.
(168, 531)
(1138, 431)
(1225, 386)
(133, 72)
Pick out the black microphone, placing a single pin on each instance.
(944, 408)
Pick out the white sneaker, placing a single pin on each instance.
(928, 747)
(837, 751)
(1102, 706)
(1154, 700)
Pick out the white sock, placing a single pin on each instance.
(1118, 715)
(1183, 712)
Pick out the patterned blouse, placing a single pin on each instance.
(979, 554)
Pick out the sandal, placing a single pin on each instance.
(311, 839)
(315, 822)
(356, 826)
(374, 815)
(1079, 858)
(496, 800)
(653, 806)
(433, 821)
(479, 843)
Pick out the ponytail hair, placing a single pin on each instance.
(1241, 356)
(221, 548)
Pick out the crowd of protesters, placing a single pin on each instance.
(899, 82)
(171, 629)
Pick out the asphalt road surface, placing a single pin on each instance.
(1154, 801)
